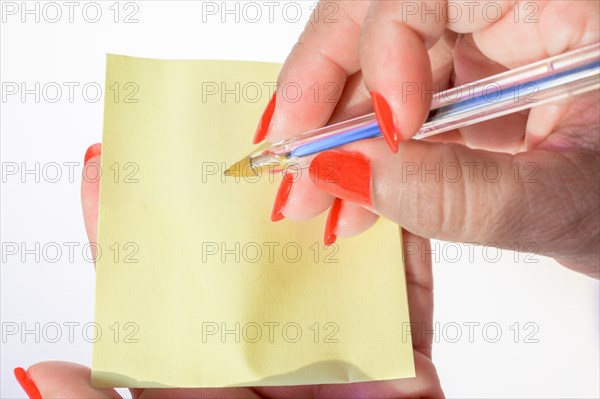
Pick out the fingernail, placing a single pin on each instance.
(332, 221)
(345, 175)
(91, 152)
(265, 121)
(282, 195)
(27, 383)
(385, 118)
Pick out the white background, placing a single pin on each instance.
(560, 306)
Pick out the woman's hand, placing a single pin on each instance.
(467, 185)
(68, 380)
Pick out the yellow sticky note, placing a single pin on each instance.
(196, 287)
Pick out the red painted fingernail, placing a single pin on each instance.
(282, 195)
(332, 221)
(385, 118)
(92, 151)
(345, 175)
(265, 121)
(27, 383)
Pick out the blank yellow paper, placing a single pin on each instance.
(196, 287)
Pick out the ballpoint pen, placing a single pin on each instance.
(553, 79)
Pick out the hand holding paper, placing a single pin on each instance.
(126, 290)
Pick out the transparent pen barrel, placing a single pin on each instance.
(554, 79)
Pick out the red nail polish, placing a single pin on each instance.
(282, 195)
(92, 151)
(332, 221)
(27, 383)
(346, 175)
(385, 118)
(265, 121)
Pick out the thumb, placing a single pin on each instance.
(90, 190)
(453, 193)
(60, 380)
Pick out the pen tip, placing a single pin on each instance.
(242, 168)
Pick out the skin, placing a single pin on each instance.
(549, 202)
(367, 50)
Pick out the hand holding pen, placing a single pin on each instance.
(520, 178)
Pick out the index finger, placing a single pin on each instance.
(315, 73)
